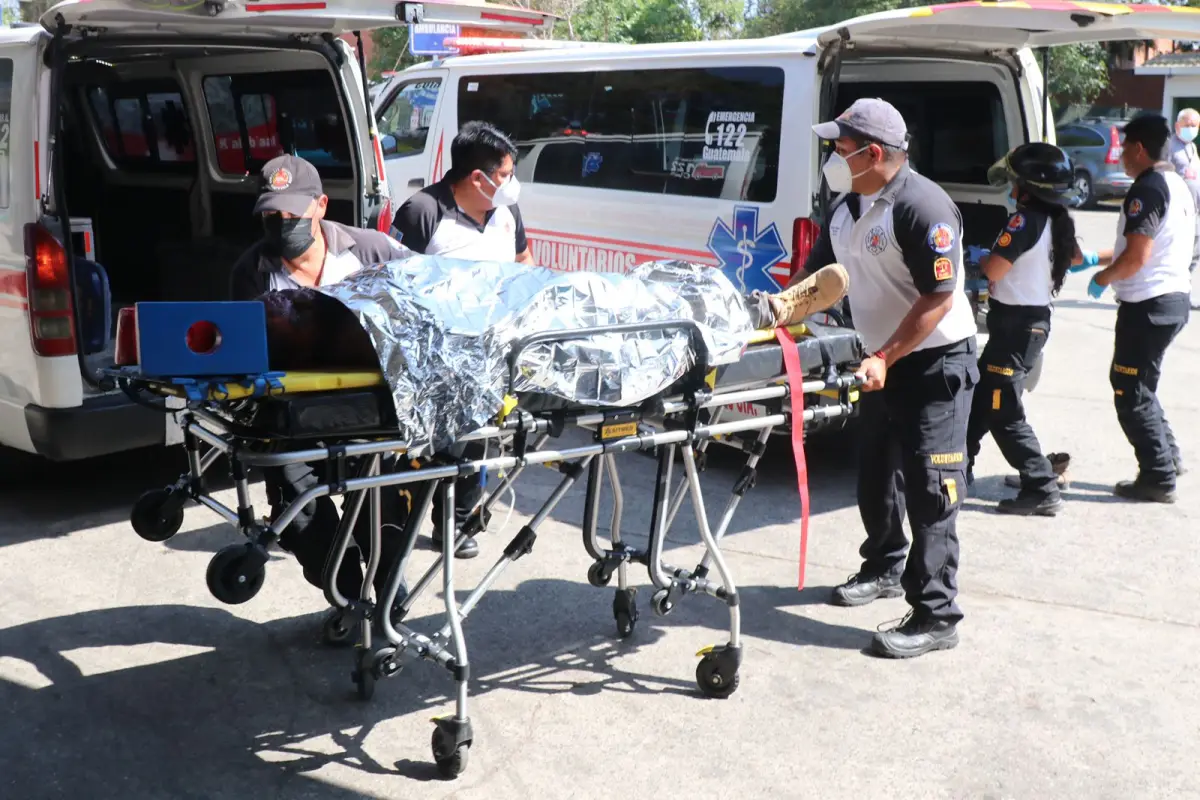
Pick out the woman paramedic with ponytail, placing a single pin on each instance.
(1025, 269)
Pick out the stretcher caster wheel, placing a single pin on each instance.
(625, 612)
(449, 755)
(364, 675)
(334, 630)
(157, 515)
(599, 575)
(717, 673)
(235, 575)
(661, 603)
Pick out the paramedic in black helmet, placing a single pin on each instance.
(1148, 271)
(1026, 267)
(899, 236)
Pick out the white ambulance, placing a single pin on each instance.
(704, 150)
(142, 125)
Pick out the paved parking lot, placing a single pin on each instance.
(121, 677)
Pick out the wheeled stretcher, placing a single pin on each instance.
(275, 419)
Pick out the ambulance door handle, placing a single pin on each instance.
(416, 183)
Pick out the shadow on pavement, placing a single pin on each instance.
(252, 708)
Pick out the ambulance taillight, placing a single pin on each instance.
(126, 354)
(804, 238)
(48, 284)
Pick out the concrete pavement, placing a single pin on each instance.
(121, 677)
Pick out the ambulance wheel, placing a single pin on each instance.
(157, 515)
(233, 576)
(452, 764)
(712, 681)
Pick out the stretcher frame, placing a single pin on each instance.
(667, 427)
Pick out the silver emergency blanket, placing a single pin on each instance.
(444, 329)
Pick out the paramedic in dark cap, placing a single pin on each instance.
(899, 236)
(300, 248)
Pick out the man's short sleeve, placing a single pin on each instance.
(1145, 205)
(522, 242)
(416, 221)
(1021, 234)
(928, 230)
(822, 254)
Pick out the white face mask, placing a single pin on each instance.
(1011, 202)
(1188, 134)
(838, 174)
(506, 194)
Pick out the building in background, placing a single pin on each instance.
(1180, 76)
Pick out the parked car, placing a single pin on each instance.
(1094, 145)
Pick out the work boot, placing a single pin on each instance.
(468, 549)
(1059, 462)
(1029, 504)
(913, 637)
(862, 589)
(820, 291)
(1145, 492)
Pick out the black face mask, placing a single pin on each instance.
(288, 238)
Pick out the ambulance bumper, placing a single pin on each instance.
(101, 426)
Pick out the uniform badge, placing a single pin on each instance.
(941, 238)
(943, 269)
(876, 240)
(1134, 207)
(280, 179)
(1016, 222)
(1005, 240)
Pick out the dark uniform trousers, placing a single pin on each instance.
(914, 434)
(1016, 336)
(312, 534)
(1143, 332)
(468, 489)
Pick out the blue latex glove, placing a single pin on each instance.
(1090, 259)
(1095, 289)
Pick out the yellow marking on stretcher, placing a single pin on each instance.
(710, 380)
(951, 490)
(618, 430)
(1130, 371)
(294, 383)
(995, 400)
(510, 403)
(942, 459)
(706, 650)
(1006, 371)
(764, 336)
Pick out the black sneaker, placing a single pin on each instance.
(913, 638)
(862, 589)
(468, 549)
(1146, 492)
(1026, 504)
(1014, 481)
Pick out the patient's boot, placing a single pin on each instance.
(819, 291)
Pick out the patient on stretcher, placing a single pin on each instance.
(309, 330)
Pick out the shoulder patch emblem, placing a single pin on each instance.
(943, 269)
(876, 240)
(941, 238)
(1016, 222)
(1135, 207)
(281, 179)
(1005, 239)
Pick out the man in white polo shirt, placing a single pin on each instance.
(899, 236)
(470, 214)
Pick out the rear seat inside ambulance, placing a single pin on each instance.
(134, 168)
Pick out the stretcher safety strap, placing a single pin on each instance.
(795, 377)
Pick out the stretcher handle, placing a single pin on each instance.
(690, 326)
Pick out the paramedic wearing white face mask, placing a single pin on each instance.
(1186, 161)
(1026, 267)
(470, 214)
(899, 236)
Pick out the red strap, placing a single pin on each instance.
(795, 376)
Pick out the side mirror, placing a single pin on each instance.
(388, 143)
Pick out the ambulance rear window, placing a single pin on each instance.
(256, 117)
(144, 124)
(705, 132)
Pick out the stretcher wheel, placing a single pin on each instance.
(364, 675)
(625, 623)
(598, 576)
(712, 681)
(449, 764)
(661, 602)
(157, 515)
(334, 630)
(233, 577)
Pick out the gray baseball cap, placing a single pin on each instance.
(869, 118)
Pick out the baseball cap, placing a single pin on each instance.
(868, 118)
(287, 183)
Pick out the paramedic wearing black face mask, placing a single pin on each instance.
(300, 248)
(1026, 267)
(1149, 273)
(899, 235)
(470, 214)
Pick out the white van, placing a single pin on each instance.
(704, 150)
(142, 126)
